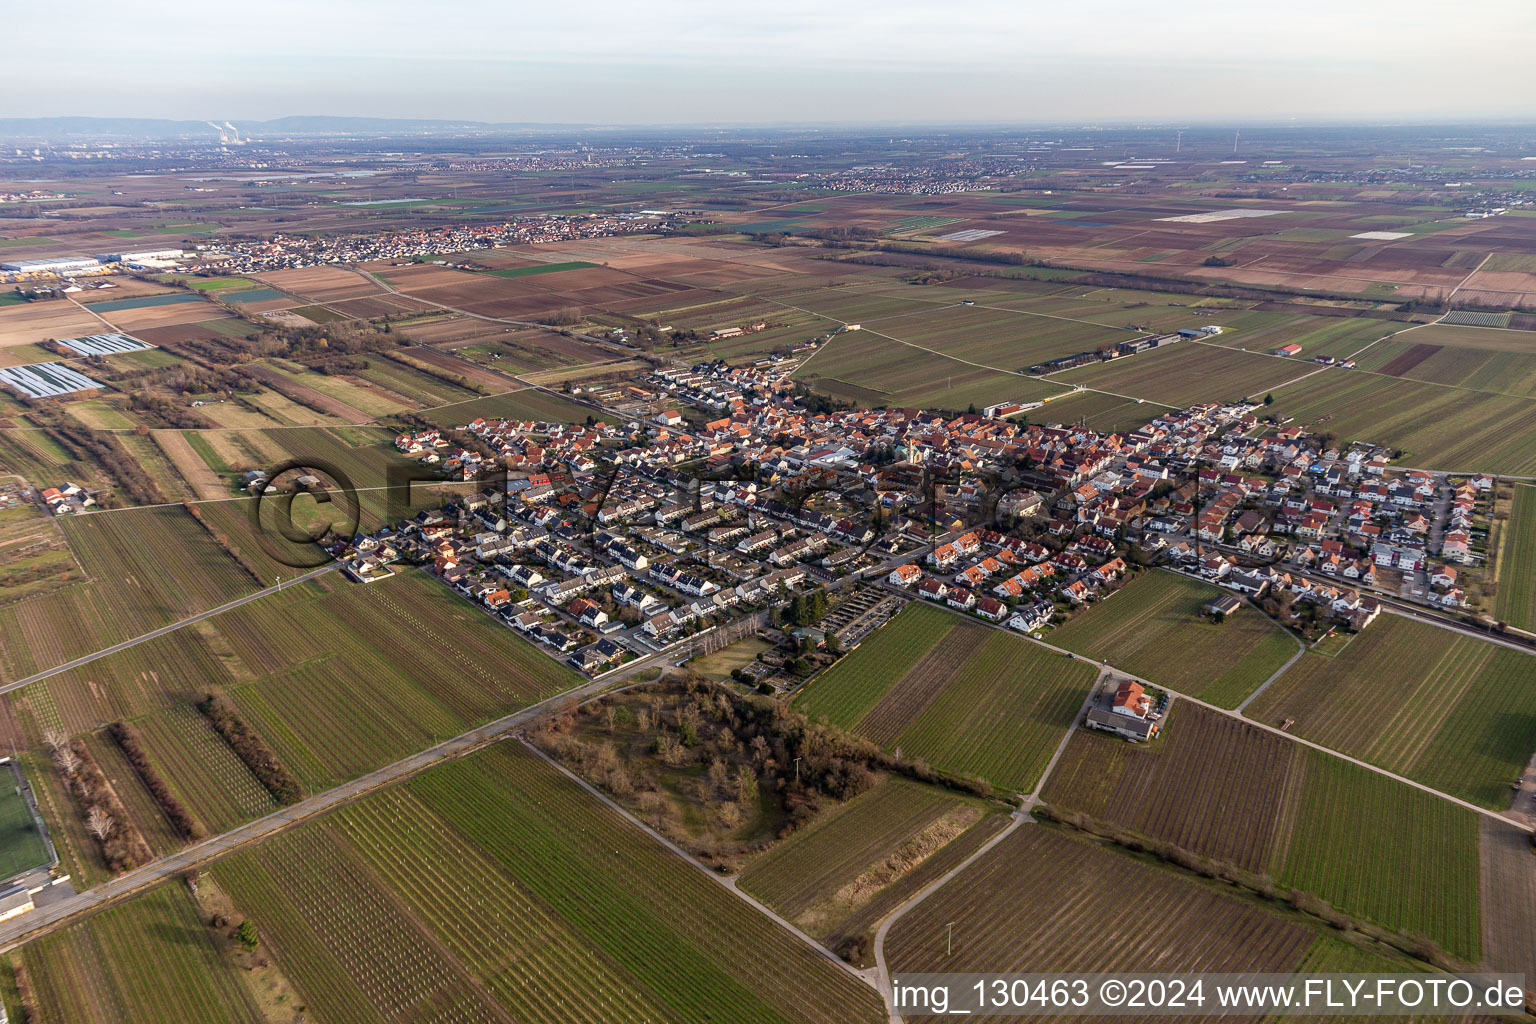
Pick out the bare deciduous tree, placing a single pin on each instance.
(99, 823)
(67, 760)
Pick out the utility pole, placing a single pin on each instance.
(949, 943)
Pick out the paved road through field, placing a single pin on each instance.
(45, 919)
(189, 620)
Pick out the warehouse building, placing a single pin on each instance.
(52, 265)
(151, 255)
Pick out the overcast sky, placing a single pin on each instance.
(680, 61)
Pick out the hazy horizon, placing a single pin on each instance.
(680, 62)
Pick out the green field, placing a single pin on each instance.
(144, 568)
(338, 678)
(1224, 789)
(217, 284)
(145, 301)
(1047, 899)
(341, 683)
(1420, 874)
(1154, 628)
(963, 697)
(1495, 370)
(497, 880)
(21, 845)
(1438, 427)
(149, 961)
(1097, 411)
(1188, 372)
(903, 376)
(1517, 562)
(542, 268)
(1448, 710)
(320, 314)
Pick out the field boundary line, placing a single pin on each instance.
(1301, 650)
(1071, 388)
(1496, 815)
(1020, 817)
(727, 881)
(1469, 277)
(163, 630)
(391, 289)
(26, 927)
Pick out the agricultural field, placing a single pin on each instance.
(1097, 411)
(1436, 427)
(34, 558)
(829, 870)
(1226, 790)
(965, 698)
(339, 679)
(540, 268)
(873, 370)
(149, 961)
(143, 568)
(1508, 877)
(1002, 925)
(1516, 602)
(576, 914)
(374, 673)
(1010, 339)
(1448, 710)
(528, 404)
(1212, 784)
(1188, 372)
(31, 322)
(1421, 874)
(1158, 612)
(1492, 370)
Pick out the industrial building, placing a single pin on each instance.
(52, 265)
(151, 255)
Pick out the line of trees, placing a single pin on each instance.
(248, 745)
(132, 744)
(224, 542)
(106, 819)
(103, 450)
(446, 376)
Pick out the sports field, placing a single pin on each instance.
(21, 845)
(1154, 628)
(963, 697)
